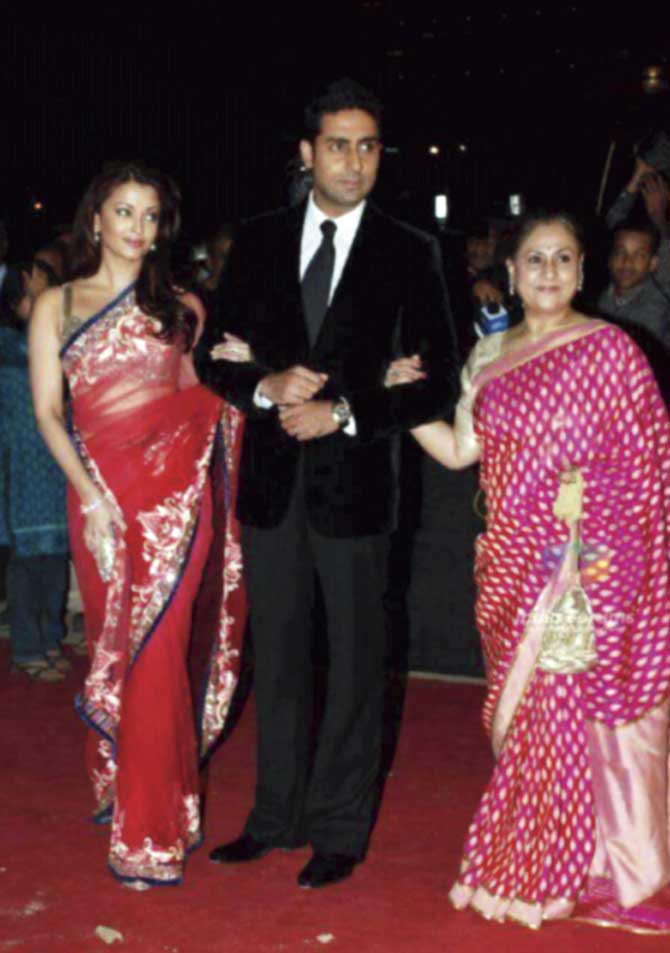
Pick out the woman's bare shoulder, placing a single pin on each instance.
(48, 305)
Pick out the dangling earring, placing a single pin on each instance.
(96, 237)
(580, 282)
(512, 292)
(154, 246)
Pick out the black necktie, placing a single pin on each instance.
(316, 281)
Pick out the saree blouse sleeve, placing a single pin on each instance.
(464, 429)
(484, 351)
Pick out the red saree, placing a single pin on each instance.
(575, 818)
(164, 450)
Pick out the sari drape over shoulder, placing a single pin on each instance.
(164, 632)
(575, 818)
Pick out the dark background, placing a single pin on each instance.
(213, 93)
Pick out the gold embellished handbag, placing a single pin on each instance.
(105, 556)
(568, 640)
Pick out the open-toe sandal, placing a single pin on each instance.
(38, 670)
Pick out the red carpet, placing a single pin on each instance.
(55, 889)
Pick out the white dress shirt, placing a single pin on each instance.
(347, 226)
(312, 236)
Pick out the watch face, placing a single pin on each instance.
(341, 412)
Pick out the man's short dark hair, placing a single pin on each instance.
(341, 94)
(641, 226)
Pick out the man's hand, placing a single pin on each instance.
(293, 386)
(642, 168)
(486, 292)
(655, 195)
(309, 421)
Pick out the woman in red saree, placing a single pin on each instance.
(151, 459)
(573, 608)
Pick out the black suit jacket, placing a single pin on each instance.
(390, 301)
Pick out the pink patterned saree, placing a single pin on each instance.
(164, 632)
(575, 624)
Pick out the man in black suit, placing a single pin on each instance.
(326, 294)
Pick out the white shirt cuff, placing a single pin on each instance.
(350, 427)
(260, 400)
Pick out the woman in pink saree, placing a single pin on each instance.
(151, 459)
(573, 440)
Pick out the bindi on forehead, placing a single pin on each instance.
(550, 243)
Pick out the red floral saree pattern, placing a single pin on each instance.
(164, 633)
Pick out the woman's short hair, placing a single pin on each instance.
(534, 219)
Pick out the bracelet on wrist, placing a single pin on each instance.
(87, 508)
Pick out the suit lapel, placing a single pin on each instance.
(361, 257)
(287, 266)
(289, 253)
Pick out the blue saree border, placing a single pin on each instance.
(151, 881)
(95, 317)
(219, 448)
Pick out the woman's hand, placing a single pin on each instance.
(232, 348)
(404, 370)
(102, 522)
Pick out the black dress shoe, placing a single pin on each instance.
(239, 851)
(324, 869)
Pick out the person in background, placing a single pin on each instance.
(638, 295)
(218, 246)
(54, 257)
(637, 298)
(639, 261)
(4, 247)
(32, 519)
(486, 281)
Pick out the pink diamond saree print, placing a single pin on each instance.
(574, 821)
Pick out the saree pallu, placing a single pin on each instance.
(164, 632)
(574, 821)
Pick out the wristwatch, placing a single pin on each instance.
(341, 412)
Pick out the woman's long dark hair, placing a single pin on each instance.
(155, 290)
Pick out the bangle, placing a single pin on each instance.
(87, 508)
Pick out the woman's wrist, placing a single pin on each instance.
(90, 499)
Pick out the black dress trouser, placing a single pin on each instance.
(333, 805)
